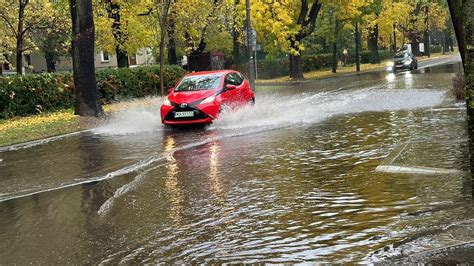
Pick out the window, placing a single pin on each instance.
(239, 78)
(104, 56)
(234, 79)
(199, 83)
(28, 59)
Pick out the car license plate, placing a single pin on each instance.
(184, 114)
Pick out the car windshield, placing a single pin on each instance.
(199, 83)
(401, 55)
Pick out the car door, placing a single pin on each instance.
(246, 91)
(231, 97)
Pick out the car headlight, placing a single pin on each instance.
(209, 99)
(406, 63)
(390, 64)
(167, 102)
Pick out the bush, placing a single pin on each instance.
(125, 83)
(459, 86)
(316, 62)
(268, 69)
(365, 56)
(33, 94)
(436, 49)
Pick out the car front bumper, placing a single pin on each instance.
(203, 114)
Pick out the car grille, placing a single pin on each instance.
(197, 114)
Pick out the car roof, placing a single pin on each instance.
(222, 72)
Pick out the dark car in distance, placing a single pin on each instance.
(403, 60)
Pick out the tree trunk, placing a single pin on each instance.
(235, 47)
(357, 47)
(457, 18)
(426, 41)
(374, 46)
(122, 58)
(20, 35)
(19, 57)
(468, 51)
(445, 41)
(415, 47)
(85, 84)
(296, 70)
(163, 32)
(113, 10)
(50, 62)
(394, 39)
(334, 57)
(235, 39)
(172, 57)
(162, 62)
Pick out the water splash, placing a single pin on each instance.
(134, 117)
(282, 111)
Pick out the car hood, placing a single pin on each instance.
(189, 96)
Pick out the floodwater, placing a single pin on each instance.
(290, 180)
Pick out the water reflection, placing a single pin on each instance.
(408, 77)
(214, 174)
(172, 185)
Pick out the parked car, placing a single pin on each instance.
(403, 60)
(199, 97)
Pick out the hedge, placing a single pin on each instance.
(33, 94)
(280, 67)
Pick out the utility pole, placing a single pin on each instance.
(250, 48)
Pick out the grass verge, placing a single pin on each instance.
(326, 72)
(21, 129)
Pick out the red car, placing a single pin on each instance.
(199, 97)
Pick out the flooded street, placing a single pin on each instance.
(290, 180)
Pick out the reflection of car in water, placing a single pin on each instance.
(199, 97)
(403, 60)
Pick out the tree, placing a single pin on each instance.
(209, 28)
(83, 34)
(124, 26)
(345, 15)
(53, 36)
(162, 10)
(424, 15)
(19, 17)
(282, 26)
(235, 36)
(461, 15)
(458, 24)
(393, 14)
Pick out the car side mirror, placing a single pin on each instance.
(230, 87)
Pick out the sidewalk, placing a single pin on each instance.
(342, 72)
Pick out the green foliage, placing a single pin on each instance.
(33, 94)
(268, 69)
(365, 56)
(123, 83)
(436, 49)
